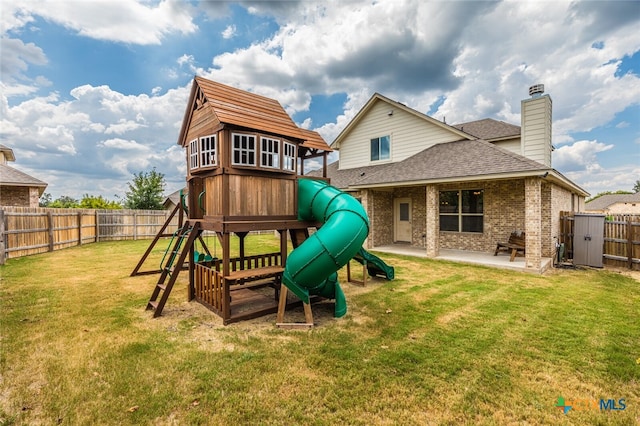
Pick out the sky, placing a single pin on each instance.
(94, 91)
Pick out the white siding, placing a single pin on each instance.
(512, 145)
(409, 135)
(536, 129)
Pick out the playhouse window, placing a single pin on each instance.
(270, 153)
(380, 148)
(208, 147)
(193, 154)
(289, 162)
(244, 150)
(462, 211)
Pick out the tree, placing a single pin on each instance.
(99, 202)
(45, 200)
(64, 202)
(145, 192)
(636, 187)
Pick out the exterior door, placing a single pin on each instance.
(402, 220)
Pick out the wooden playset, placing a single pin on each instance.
(245, 164)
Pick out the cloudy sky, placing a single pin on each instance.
(94, 91)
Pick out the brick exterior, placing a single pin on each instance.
(433, 221)
(19, 196)
(532, 205)
(533, 223)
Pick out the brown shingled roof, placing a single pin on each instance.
(445, 161)
(313, 140)
(489, 129)
(246, 109)
(12, 177)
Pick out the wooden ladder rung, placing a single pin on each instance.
(162, 287)
(153, 304)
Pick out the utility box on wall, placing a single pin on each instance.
(588, 239)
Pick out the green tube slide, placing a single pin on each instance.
(311, 268)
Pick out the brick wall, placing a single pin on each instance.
(418, 213)
(19, 196)
(381, 216)
(503, 214)
(533, 225)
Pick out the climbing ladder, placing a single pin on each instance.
(180, 246)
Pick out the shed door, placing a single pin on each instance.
(402, 219)
(588, 240)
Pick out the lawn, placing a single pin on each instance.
(444, 343)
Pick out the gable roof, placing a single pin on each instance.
(8, 153)
(457, 161)
(240, 108)
(489, 129)
(454, 161)
(607, 200)
(377, 97)
(12, 177)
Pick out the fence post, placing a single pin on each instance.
(97, 226)
(50, 226)
(2, 239)
(79, 228)
(629, 243)
(135, 225)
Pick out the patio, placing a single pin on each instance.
(464, 256)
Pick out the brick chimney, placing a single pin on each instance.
(535, 125)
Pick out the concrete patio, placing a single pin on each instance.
(463, 256)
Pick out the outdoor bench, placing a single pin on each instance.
(515, 245)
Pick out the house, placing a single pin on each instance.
(173, 199)
(17, 188)
(432, 185)
(615, 204)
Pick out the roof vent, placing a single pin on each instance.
(536, 90)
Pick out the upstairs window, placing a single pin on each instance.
(193, 155)
(270, 153)
(462, 211)
(289, 160)
(244, 150)
(380, 148)
(208, 148)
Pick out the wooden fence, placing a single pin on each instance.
(25, 231)
(621, 239)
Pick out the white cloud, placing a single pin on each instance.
(229, 32)
(129, 21)
(66, 138)
(579, 156)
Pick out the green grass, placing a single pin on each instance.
(444, 343)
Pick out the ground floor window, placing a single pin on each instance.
(462, 210)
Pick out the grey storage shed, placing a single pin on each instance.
(588, 239)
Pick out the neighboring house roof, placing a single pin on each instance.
(174, 198)
(8, 153)
(12, 177)
(377, 97)
(489, 129)
(605, 201)
(245, 109)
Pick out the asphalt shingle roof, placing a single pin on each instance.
(452, 160)
(12, 177)
(605, 201)
(489, 128)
